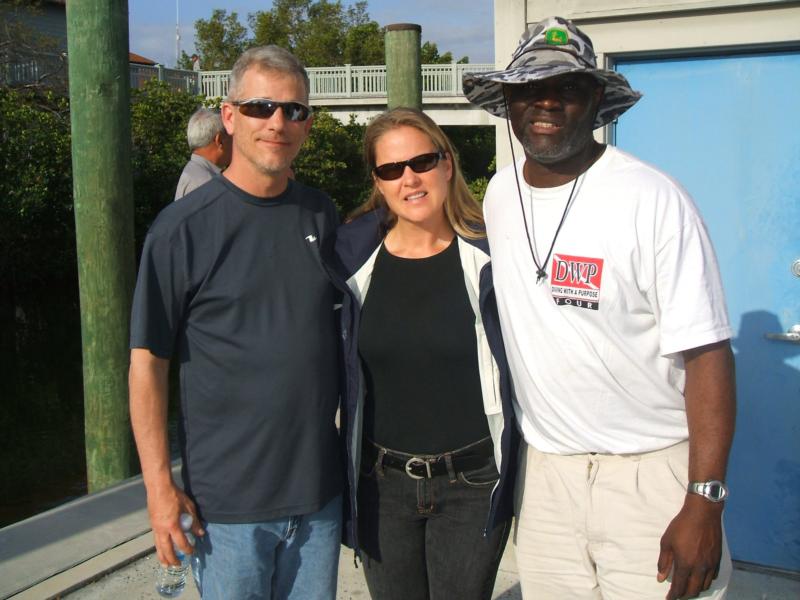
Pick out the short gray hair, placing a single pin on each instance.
(267, 58)
(203, 127)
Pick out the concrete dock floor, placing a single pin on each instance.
(136, 582)
(100, 547)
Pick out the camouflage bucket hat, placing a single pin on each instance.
(554, 46)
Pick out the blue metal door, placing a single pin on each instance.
(728, 128)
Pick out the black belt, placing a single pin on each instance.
(470, 458)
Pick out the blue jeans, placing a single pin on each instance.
(291, 558)
(422, 539)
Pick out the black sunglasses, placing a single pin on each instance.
(264, 108)
(419, 164)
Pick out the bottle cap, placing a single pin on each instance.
(186, 521)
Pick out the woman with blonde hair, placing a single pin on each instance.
(430, 420)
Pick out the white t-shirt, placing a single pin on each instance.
(594, 350)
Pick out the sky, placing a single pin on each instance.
(463, 27)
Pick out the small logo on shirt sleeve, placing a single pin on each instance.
(575, 281)
(311, 238)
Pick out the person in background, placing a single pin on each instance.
(436, 405)
(233, 285)
(211, 148)
(614, 318)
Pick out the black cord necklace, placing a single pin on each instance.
(541, 269)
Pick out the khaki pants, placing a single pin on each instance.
(589, 526)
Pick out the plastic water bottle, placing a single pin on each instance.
(171, 580)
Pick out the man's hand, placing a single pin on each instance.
(691, 548)
(165, 508)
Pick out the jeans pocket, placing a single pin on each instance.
(480, 478)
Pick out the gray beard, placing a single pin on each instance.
(554, 154)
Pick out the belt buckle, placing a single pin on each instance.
(412, 462)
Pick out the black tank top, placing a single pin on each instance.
(418, 347)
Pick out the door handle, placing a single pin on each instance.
(793, 335)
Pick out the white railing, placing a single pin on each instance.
(214, 84)
(31, 70)
(445, 80)
(351, 81)
(20, 73)
(347, 81)
(176, 78)
(35, 69)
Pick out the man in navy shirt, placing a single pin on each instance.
(234, 286)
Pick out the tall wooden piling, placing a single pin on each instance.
(97, 42)
(403, 72)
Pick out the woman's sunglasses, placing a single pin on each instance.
(419, 164)
(264, 108)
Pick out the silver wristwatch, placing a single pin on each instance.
(714, 491)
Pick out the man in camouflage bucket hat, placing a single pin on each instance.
(617, 336)
(549, 48)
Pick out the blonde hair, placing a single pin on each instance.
(460, 208)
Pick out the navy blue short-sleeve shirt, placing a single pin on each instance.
(234, 287)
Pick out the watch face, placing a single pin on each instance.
(715, 490)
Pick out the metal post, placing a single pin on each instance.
(97, 38)
(403, 72)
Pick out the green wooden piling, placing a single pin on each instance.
(403, 72)
(97, 42)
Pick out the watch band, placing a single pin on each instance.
(712, 490)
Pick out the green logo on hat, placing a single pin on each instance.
(556, 37)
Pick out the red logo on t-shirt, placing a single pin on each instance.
(575, 281)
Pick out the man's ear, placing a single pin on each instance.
(226, 113)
